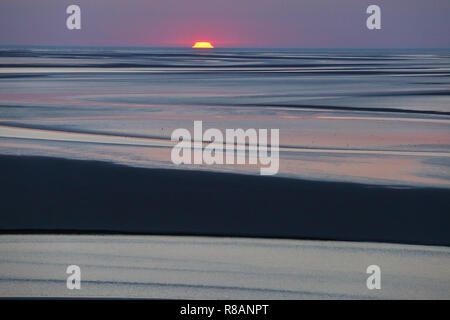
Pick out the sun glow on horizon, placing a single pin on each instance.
(203, 45)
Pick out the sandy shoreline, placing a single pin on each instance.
(218, 268)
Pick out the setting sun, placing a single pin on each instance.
(203, 45)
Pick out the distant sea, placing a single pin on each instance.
(366, 116)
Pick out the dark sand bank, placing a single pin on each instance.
(47, 194)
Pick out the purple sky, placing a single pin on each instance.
(228, 23)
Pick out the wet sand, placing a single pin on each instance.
(68, 196)
(218, 268)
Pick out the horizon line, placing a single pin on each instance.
(219, 47)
